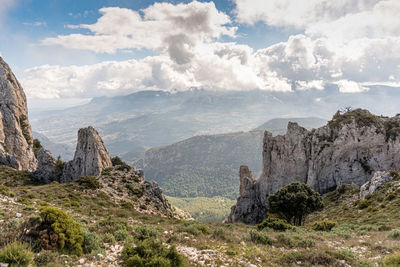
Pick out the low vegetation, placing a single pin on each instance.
(76, 221)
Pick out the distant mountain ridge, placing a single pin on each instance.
(157, 118)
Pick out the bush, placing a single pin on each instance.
(36, 146)
(275, 224)
(364, 204)
(145, 232)
(6, 191)
(91, 242)
(294, 201)
(109, 238)
(394, 234)
(17, 254)
(324, 225)
(151, 252)
(89, 182)
(295, 241)
(121, 235)
(135, 191)
(390, 197)
(194, 228)
(45, 257)
(392, 260)
(68, 232)
(260, 238)
(121, 165)
(221, 234)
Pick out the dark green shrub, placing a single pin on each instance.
(138, 192)
(151, 252)
(275, 224)
(36, 146)
(363, 204)
(121, 235)
(59, 164)
(91, 242)
(260, 238)
(16, 254)
(45, 257)
(120, 165)
(324, 225)
(69, 232)
(89, 182)
(145, 232)
(294, 201)
(390, 197)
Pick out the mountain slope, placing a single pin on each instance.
(208, 165)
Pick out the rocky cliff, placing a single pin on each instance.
(16, 148)
(349, 149)
(91, 156)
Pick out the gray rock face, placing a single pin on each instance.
(378, 180)
(248, 208)
(349, 149)
(47, 170)
(16, 148)
(91, 156)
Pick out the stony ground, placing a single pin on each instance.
(365, 236)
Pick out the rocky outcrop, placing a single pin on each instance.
(91, 156)
(47, 170)
(379, 179)
(349, 149)
(16, 147)
(248, 208)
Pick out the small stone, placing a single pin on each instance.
(81, 261)
(99, 256)
(109, 259)
(250, 265)
(165, 233)
(18, 215)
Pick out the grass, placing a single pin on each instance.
(361, 237)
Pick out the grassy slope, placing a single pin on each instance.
(204, 209)
(359, 240)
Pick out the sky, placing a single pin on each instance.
(71, 50)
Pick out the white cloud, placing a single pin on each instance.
(164, 27)
(300, 13)
(353, 44)
(346, 86)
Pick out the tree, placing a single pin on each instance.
(294, 202)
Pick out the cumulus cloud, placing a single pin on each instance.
(164, 27)
(352, 44)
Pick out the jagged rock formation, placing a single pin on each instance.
(349, 149)
(16, 148)
(379, 179)
(47, 170)
(127, 186)
(91, 156)
(248, 200)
